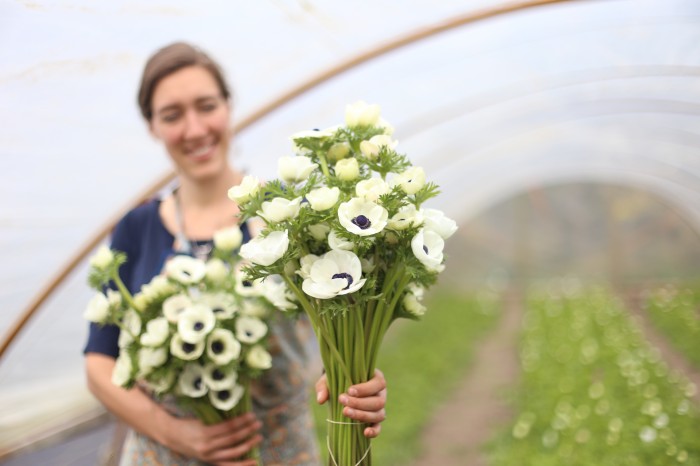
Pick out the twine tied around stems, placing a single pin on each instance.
(328, 442)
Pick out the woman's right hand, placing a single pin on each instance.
(220, 444)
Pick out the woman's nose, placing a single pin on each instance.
(194, 126)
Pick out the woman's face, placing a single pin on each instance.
(192, 118)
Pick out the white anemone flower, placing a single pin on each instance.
(362, 217)
(362, 114)
(141, 301)
(407, 217)
(280, 209)
(228, 239)
(151, 358)
(250, 329)
(336, 273)
(371, 148)
(121, 374)
(277, 292)
(216, 270)
(102, 258)
(306, 262)
(437, 221)
(254, 308)
(368, 265)
(411, 180)
(157, 331)
(175, 305)
(159, 286)
(222, 346)
(219, 378)
(114, 298)
(294, 169)
(242, 193)
(196, 322)
(323, 198)
(371, 189)
(319, 231)
(347, 169)
(386, 126)
(268, 250)
(185, 351)
(223, 305)
(337, 242)
(416, 290)
(427, 246)
(225, 400)
(191, 381)
(258, 358)
(250, 288)
(338, 151)
(185, 269)
(131, 328)
(413, 306)
(97, 309)
(244, 286)
(311, 134)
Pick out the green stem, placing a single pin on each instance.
(388, 316)
(124, 291)
(324, 166)
(373, 341)
(316, 321)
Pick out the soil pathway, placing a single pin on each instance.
(459, 428)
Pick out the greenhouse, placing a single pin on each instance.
(563, 136)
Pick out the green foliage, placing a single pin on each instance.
(676, 312)
(594, 392)
(418, 357)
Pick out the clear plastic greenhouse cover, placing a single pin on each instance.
(579, 90)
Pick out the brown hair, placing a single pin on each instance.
(167, 61)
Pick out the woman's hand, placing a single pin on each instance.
(364, 402)
(220, 444)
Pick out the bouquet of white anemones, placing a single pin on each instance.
(347, 231)
(197, 332)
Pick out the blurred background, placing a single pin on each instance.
(564, 136)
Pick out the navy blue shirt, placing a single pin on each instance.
(141, 235)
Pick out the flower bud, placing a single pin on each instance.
(362, 114)
(242, 193)
(228, 239)
(347, 169)
(103, 258)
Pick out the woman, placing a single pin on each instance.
(186, 103)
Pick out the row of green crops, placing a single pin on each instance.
(423, 362)
(675, 311)
(593, 392)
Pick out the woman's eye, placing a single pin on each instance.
(170, 117)
(208, 106)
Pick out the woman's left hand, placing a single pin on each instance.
(364, 402)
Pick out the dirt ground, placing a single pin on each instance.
(460, 427)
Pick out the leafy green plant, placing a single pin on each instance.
(675, 311)
(594, 392)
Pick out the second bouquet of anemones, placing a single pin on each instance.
(197, 333)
